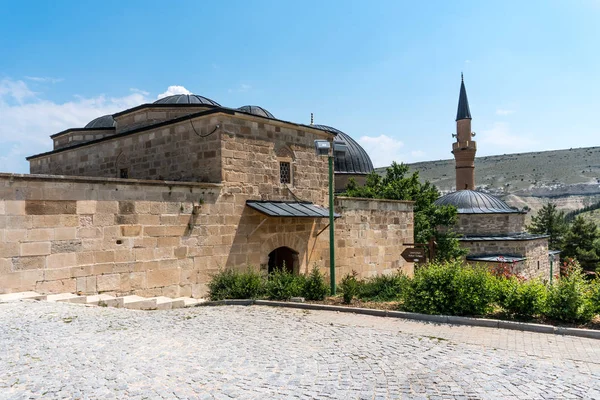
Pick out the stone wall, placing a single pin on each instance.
(371, 234)
(152, 114)
(90, 235)
(535, 251)
(490, 224)
(72, 137)
(172, 152)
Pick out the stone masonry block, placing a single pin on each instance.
(131, 230)
(66, 246)
(14, 207)
(61, 260)
(106, 283)
(162, 277)
(8, 249)
(60, 286)
(65, 233)
(28, 263)
(86, 207)
(35, 249)
(5, 266)
(40, 235)
(50, 207)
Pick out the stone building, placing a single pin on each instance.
(488, 228)
(154, 199)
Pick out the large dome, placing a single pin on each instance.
(256, 110)
(103, 122)
(473, 202)
(355, 160)
(187, 99)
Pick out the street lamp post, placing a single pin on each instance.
(329, 149)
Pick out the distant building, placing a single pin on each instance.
(492, 232)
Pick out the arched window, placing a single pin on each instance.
(285, 158)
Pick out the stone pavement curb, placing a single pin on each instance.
(440, 319)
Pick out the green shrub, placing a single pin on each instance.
(383, 287)
(283, 285)
(315, 287)
(349, 286)
(570, 298)
(595, 296)
(231, 284)
(450, 288)
(523, 299)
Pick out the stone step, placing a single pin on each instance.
(63, 297)
(182, 302)
(21, 296)
(92, 300)
(164, 303)
(139, 303)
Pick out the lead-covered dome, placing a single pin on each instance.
(473, 202)
(355, 160)
(187, 99)
(103, 122)
(256, 110)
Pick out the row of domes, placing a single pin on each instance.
(107, 121)
(354, 161)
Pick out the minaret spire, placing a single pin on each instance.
(463, 111)
(464, 148)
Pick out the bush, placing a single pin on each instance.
(315, 287)
(383, 287)
(595, 296)
(231, 284)
(283, 285)
(349, 286)
(570, 298)
(451, 289)
(523, 299)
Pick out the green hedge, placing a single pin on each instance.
(438, 288)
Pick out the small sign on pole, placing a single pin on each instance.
(413, 254)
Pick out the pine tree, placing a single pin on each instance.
(397, 184)
(550, 221)
(582, 242)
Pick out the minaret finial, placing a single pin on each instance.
(462, 78)
(312, 119)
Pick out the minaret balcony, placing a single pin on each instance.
(468, 145)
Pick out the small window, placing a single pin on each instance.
(124, 173)
(285, 175)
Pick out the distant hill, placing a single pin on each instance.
(569, 178)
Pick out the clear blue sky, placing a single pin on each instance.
(385, 72)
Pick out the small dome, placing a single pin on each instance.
(473, 202)
(105, 121)
(187, 99)
(256, 110)
(355, 160)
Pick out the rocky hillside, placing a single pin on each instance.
(569, 178)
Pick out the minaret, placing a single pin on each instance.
(464, 148)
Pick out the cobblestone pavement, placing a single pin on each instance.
(54, 350)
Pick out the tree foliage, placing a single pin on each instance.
(398, 184)
(582, 242)
(550, 221)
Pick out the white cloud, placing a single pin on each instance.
(173, 90)
(382, 149)
(28, 120)
(44, 79)
(504, 112)
(14, 91)
(499, 139)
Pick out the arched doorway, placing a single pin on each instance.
(284, 258)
